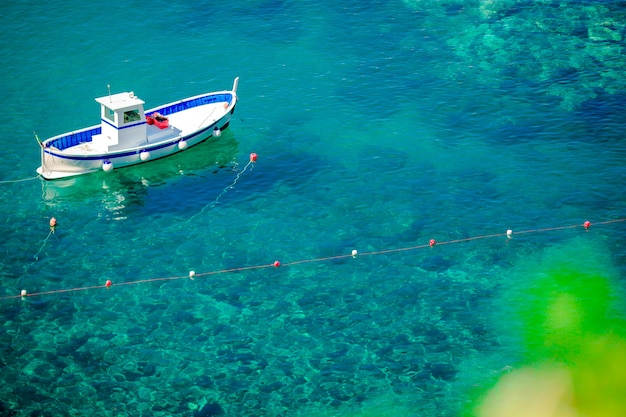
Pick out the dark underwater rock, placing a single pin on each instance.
(436, 263)
(147, 369)
(274, 386)
(40, 413)
(205, 381)
(209, 410)
(442, 371)
(5, 411)
(434, 335)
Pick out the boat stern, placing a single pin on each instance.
(53, 166)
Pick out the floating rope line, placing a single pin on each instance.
(253, 159)
(192, 274)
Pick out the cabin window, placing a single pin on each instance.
(109, 114)
(131, 116)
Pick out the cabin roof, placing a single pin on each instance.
(120, 101)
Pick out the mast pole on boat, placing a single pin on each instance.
(43, 153)
(38, 140)
(235, 85)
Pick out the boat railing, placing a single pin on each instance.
(85, 135)
(189, 104)
(74, 138)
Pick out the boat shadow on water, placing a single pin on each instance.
(126, 189)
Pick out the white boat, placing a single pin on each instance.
(128, 135)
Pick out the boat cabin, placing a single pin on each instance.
(123, 122)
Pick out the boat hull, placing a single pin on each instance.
(56, 165)
(192, 121)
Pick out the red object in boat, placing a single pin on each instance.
(159, 121)
(162, 124)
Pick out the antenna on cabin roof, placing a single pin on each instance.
(109, 88)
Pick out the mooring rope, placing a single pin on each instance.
(19, 180)
(253, 159)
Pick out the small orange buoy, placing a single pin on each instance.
(253, 157)
(432, 242)
(276, 264)
(108, 283)
(53, 222)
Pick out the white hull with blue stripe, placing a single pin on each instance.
(128, 135)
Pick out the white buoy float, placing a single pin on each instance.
(107, 166)
(192, 274)
(216, 132)
(182, 145)
(144, 155)
(354, 253)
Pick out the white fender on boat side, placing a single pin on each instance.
(107, 166)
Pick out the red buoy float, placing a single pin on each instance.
(432, 242)
(253, 157)
(108, 283)
(586, 224)
(276, 264)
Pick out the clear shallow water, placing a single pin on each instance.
(378, 127)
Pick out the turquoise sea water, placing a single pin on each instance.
(378, 126)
